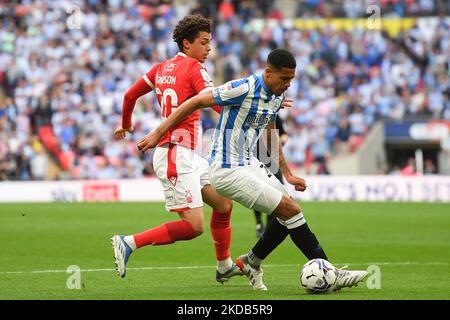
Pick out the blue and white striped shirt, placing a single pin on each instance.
(248, 108)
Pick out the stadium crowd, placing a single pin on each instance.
(65, 67)
(357, 8)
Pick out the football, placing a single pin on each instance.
(318, 276)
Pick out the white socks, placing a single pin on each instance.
(224, 265)
(130, 242)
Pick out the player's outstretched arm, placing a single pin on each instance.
(152, 139)
(138, 89)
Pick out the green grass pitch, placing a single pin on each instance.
(409, 242)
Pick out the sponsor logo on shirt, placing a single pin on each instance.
(169, 67)
(260, 119)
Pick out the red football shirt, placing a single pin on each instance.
(175, 81)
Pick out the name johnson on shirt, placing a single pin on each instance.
(166, 79)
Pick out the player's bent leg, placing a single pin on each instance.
(248, 187)
(301, 235)
(189, 227)
(195, 218)
(182, 189)
(307, 242)
(168, 233)
(216, 201)
(221, 233)
(287, 208)
(274, 234)
(293, 223)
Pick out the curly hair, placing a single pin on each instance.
(189, 28)
(281, 58)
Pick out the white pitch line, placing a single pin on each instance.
(211, 267)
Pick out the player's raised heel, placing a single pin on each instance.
(233, 271)
(254, 275)
(122, 252)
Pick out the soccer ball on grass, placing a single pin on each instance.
(318, 276)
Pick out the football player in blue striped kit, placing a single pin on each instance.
(249, 106)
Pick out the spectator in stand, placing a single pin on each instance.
(395, 171)
(429, 167)
(322, 168)
(39, 164)
(343, 133)
(410, 168)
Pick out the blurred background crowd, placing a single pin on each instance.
(64, 67)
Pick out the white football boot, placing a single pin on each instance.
(122, 252)
(253, 274)
(347, 278)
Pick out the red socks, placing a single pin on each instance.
(221, 234)
(182, 230)
(165, 234)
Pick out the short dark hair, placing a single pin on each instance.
(189, 27)
(281, 58)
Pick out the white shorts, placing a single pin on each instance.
(183, 174)
(253, 186)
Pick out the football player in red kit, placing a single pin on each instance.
(183, 174)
